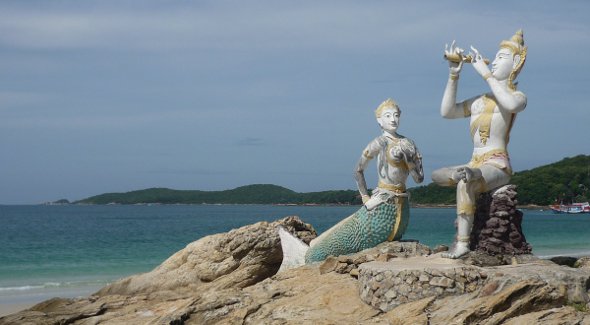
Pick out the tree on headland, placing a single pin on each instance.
(565, 181)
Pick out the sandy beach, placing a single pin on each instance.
(7, 309)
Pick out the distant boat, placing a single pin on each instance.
(571, 208)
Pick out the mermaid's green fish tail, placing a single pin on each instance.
(364, 229)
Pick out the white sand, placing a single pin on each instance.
(7, 309)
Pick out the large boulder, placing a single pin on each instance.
(386, 285)
(236, 259)
(583, 262)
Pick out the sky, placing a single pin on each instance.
(114, 96)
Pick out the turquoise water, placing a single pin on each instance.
(68, 251)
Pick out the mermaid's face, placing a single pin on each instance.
(389, 119)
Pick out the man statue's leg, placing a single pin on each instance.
(444, 176)
(466, 192)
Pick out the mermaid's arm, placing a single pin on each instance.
(369, 153)
(415, 166)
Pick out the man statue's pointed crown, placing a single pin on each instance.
(517, 47)
(515, 44)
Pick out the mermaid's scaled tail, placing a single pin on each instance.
(293, 250)
(362, 230)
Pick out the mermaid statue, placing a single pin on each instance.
(384, 215)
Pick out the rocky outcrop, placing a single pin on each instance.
(349, 264)
(232, 260)
(564, 260)
(228, 279)
(497, 228)
(236, 259)
(583, 262)
(385, 285)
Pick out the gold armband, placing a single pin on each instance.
(453, 76)
(466, 110)
(463, 239)
(487, 76)
(367, 155)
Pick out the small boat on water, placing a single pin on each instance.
(571, 208)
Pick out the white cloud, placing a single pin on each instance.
(207, 75)
(10, 100)
(338, 25)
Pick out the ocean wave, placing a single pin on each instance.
(22, 288)
(570, 254)
(51, 285)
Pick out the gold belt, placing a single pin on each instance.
(399, 205)
(394, 188)
(478, 160)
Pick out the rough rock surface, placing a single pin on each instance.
(241, 288)
(564, 260)
(387, 285)
(236, 259)
(583, 262)
(497, 227)
(384, 252)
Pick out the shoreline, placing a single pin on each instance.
(7, 309)
(23, 299)
(452, 206)
(413, 205)
(27, 301)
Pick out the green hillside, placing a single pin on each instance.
(567, 180)
(250, 194)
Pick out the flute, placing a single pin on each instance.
(456, 57)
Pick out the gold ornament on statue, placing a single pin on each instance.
(517, 47)
(456, 57)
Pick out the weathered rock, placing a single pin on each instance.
(443, 277)
(382, 252)
(583, 262)
(415, 313)
(497, 228)
(513, 300)
(480, 258)
(418, 277)
(440, 248)
(328, 265)
(236, 259)
(561, 315)
(564, 260)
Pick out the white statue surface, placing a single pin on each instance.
(397, 157)
(491, 116)
(385, 214)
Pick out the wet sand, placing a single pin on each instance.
(7, 309)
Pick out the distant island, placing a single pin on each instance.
(566, 180)
(249, 194)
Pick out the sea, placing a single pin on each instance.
(73, 250)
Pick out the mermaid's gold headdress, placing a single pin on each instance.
(388, 103)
